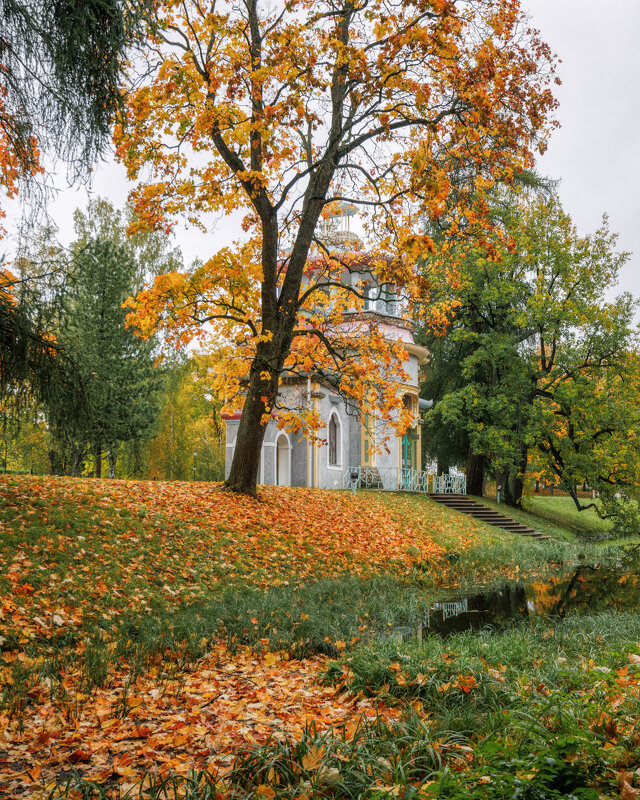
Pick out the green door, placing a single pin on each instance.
(409, 450)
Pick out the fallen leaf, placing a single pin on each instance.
(313, 758)
(80, 756)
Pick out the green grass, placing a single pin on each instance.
(559, 518)
(562, 512)
(547, 688)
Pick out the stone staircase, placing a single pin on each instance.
(464, 504)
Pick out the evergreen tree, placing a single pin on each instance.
(151, 251)
(114, 395)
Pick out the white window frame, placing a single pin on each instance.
(340, 461)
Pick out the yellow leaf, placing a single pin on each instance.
(393, 790)
(313, 758)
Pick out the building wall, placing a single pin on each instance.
(303, 455)
(329, 476)
(299, 462)
(230, 436)
(267, 472)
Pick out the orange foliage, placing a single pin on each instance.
(106, 548)
(226, 703)
(15, 162)
(281, 115)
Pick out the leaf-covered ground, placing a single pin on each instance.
(136, 618)
(74, 549)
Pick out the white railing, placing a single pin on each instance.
(449, 484)
(391, 479)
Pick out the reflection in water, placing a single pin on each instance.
(478, 610)
(585, 590)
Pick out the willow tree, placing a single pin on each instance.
(60, 71)
(281, 110)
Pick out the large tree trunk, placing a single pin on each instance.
(475, 474)
(514, 486)
(76, 464)
(279, 313)
(97, 469)
(261, 396)
(442, 466)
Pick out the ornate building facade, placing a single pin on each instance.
(350, 442)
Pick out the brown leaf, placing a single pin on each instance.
(80, 756)
(328, 775)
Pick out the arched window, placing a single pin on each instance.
(334, 441)
(283, 461)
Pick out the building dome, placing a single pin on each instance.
(335, 229)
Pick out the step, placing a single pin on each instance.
(519, 528)
(465, 505)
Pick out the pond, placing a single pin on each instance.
(584, 590)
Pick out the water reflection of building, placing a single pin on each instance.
(583, 590)
(495, 608)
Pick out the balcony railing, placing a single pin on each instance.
(392, 479)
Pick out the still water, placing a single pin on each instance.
(584, 590)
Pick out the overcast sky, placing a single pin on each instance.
(596, 152)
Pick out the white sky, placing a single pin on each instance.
(596, 152)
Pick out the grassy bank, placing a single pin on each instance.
(168, 626)
(562, 512)
(559, 518)
(151, 568)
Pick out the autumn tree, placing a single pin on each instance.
(400, 109)
(189, 423)
(546, 360)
